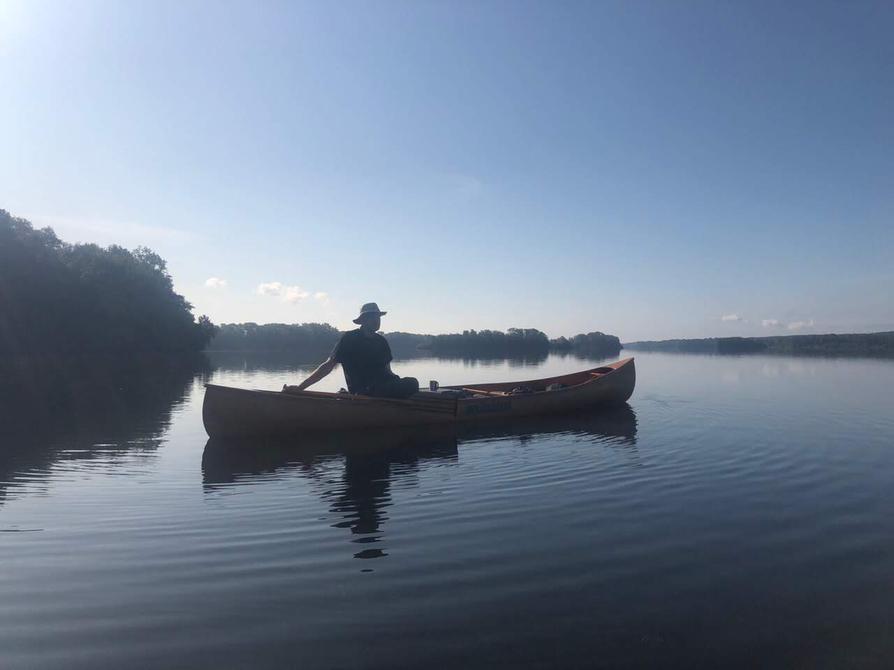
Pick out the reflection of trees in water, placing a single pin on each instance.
(56, 408)
(372, 460)
(272, 361)
(277, 361)
(525, 361)
(583, 355)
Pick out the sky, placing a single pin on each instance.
(647, 169)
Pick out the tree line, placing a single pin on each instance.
(310, 339)
(316, 339)
(591, 344)
(62, 297)
(76, 298)
(856, 344)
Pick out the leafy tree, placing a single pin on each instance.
(515, 342)
(82, 297)
(305, 338)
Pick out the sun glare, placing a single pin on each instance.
(12, 19)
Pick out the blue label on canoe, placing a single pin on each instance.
(484, 407)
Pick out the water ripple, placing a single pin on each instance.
(717, 522)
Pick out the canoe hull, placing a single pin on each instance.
(233, 412)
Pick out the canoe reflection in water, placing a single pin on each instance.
(371, 459)
(368, 461)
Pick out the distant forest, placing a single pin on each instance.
(519, 341)
(315, 340)
(486, 343)
(868, 344)
(59, 297)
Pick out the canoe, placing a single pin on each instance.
(233, 412)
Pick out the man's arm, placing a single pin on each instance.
(324, 369)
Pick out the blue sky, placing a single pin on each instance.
(648, 169)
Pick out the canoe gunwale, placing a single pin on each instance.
(481, 388)
(229, 410)
(594, 377)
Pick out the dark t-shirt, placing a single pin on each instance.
(364, 359)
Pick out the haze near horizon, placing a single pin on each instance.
(651, 171)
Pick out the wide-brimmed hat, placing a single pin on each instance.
(367, 309)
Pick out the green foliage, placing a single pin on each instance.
(860, 344)
(515, 342)
(590, 344)
(711, 345)
(406, 345)
(311, 340)
(77, 298)
(307, 339)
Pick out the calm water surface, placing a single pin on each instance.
(737, 514)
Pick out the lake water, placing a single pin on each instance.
(737, 514)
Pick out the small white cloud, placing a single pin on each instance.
(215, 282)
(294, 294)
(731, 317)
(291, 294)
(270, 288)
(770, 323)
(800, 325)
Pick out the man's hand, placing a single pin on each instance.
(324, 369)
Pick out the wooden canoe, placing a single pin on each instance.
(233, 412)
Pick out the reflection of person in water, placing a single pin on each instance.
(362, 501)
(371, 459)
(367, 486)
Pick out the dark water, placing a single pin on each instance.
(737, 514)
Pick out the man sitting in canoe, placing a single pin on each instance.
(365, 358)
